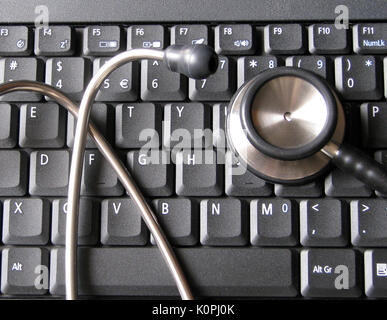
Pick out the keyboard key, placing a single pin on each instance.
(26, 221)
(121, 223)
(234, 39)
(42, 125)
(381, 157)
(146, 36)
(99, 178)
(21, 270)
(9, 122)
(223, 222)
(368, 223)
(54, 41)
(101, 40)
(13, 69)
(359, 77)
(189, 34)
(375, 271)
(227, 280)
(152, 171)
(317, 64)
(240, 182)
(88, 226)
(15, 41)
(219, 114)
(13, 173)
(309, 190)
(218, 87)
(179, 218)
(187, 125)
(385, 76)
(102, 116)
(198, 173)
(326, 38)
(249, 67)
(273, 222)
(49, 172)
(323, 222)
(70, 75)
(284, 39)
(158, 83)
(138, 124)
(121, 85)
(341, 184)
(330, 273)
(373, 124)
(370, 38)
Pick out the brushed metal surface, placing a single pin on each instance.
(282, 170)
(289, 112)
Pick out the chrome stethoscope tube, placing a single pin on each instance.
(129, 184)
(125, 178)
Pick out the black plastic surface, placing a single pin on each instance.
(114, 11)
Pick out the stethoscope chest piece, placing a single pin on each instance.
(279, 123)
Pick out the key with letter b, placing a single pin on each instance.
(180, 220)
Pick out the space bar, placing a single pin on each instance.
(212, 272)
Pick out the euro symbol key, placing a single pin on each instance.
(124, 83)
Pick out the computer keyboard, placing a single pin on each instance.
(235, 234)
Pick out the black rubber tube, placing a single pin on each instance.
(361, 166)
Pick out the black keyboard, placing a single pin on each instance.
(235, 234)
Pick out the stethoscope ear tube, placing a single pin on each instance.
(364, 168)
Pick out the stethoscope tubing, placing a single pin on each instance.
(128, 182)
(123, 175)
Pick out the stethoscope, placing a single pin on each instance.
(286, 125)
